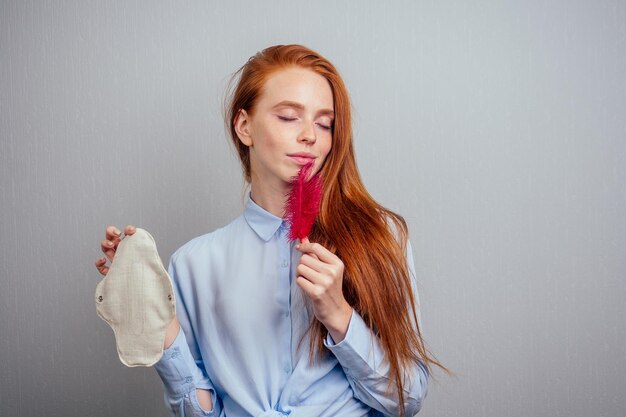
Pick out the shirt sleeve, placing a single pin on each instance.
(362, 357)
(181, 367)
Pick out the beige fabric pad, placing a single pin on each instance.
(137, 300)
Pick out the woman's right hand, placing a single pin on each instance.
(109, 246)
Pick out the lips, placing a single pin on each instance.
(302, 158)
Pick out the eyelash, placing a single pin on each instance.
(289, 120)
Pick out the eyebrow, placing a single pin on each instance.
(289, 103)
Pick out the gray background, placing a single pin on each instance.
(497, 129)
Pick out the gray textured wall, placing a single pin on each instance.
(496, 128)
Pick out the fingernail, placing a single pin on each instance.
(117, 232)
(298, 246)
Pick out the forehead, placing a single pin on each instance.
(299, 85)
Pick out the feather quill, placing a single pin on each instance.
(303, 203)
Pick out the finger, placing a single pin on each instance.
(112, 232)
(306, 240)
(110, 254)
(322, 253)
(101, 266)
(308, 287)
(312, 261)
(108, 248)
(129, 230)
(116, 241)
(312, 255)
(313, 276)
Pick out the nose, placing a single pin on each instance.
(308, 133)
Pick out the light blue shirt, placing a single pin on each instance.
(242, 316)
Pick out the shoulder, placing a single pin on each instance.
(211, 243)
(398, 227)
(400, 231)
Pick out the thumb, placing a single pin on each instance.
(306, 240)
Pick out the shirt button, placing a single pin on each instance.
(287, 313)
(287, 369)
(284, 264)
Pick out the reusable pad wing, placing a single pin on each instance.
(137, 300)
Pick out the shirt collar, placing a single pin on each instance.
(264, 223)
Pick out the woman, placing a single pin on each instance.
(345, 340)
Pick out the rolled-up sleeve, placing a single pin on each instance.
(180, 371)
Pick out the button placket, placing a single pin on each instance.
(284, 262)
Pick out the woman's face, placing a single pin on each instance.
(293, 115)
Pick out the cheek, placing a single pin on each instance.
(282, 131)
(324, 152)
(327, 146)
(271, 138)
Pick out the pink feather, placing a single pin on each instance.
(303, 203)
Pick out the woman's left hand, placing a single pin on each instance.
(320, 275)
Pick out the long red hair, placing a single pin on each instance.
(370, 239)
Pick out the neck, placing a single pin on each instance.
(272, 197)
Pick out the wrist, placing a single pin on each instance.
(171, 333)
(337, 325)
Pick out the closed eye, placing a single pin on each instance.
(287, 119)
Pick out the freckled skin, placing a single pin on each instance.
(271, 137)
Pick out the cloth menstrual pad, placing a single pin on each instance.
(137, 300)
